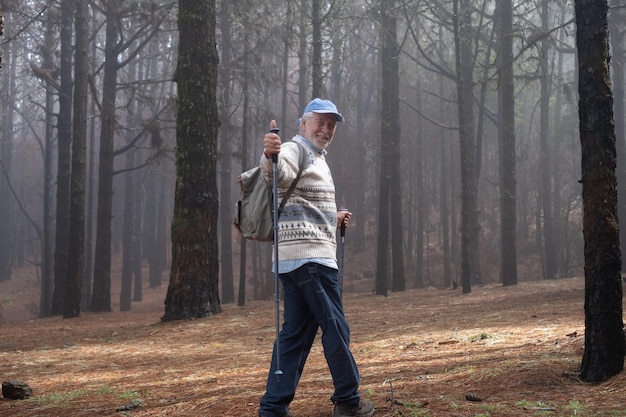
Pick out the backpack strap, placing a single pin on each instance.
(301, 166)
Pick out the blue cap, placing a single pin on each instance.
(317, 105)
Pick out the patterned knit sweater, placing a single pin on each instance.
(308, 222)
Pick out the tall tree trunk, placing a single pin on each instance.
(302, 57)
(508, 214)
(47, 278)
(391, 139)
(287, 40)
(128, 231)
(469, 182)
(7, 96)
(359, 209)
(421, 196)
(47, 273)
(245, 91)
(101, 298)
(389, 94)
(444, 193)
(316, 60)
(560, 226)
(64, 161)
(163, 216)
(91, 192)
(151, 217)
(617, 30)
(193, 290)
(87, 285)
(604, 338)
(72, 305)
(336, 92)
(243, 259)
(137, 183)
(227, 136)
(137, 241)
(550, 250)
(156, 219)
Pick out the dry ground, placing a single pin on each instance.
(421, 352)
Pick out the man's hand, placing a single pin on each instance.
(271, 141)
(343, 216)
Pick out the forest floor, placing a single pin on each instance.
(420, 353)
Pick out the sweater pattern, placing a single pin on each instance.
(308, 222)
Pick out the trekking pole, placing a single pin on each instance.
(278, 371)
(342, 244)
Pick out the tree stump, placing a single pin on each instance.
(16, 390)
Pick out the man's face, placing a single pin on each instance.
(319, 129)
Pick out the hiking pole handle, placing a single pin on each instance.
(342, 243)
(275, 155)
(343, 224)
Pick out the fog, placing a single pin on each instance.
(267, 71)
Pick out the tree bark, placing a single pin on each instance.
(64, 159)
(508, 214)
(467, 139)
(391, 136)
(617, 30)
(389, 95)
(101, 298)
(604, 338)
(444, 193)
(128, 232)
(7, 96)
(316, 60)
(227, 136)
(421, 199)
(549, 250)
(302, 57)
(72, 304)
(47, 278)
(87, 285)
(193, 289)
(243, 259)
(245, 157)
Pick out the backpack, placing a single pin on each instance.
(254, 209)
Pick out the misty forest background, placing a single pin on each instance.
(461, 123)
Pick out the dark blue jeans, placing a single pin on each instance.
(312, 301)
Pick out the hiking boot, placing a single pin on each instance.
(363, 409)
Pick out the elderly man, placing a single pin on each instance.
(307, 267)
